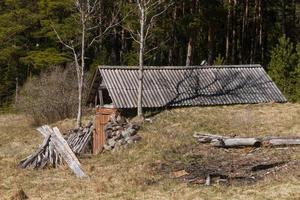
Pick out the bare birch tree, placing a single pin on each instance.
(148, 11)
(90, 20)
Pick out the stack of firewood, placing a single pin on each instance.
(80, 140)
(77, 140)
(119, 131)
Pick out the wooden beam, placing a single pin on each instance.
(100, 92)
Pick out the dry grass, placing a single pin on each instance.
(129, 174)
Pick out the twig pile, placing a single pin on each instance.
(78, 140)
(119, 131)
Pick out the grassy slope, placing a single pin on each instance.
(129, 174)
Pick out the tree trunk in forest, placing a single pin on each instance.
(123, 45)
(114, 48)
(190, 44)
(173, 48)
(244, 32)
(261, 47)
(254, 37)
(210, 39)
(17, 91)
(189, 52)
(228, 31)
(234, 39)
(283, 17)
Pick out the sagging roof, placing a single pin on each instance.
(188, 86)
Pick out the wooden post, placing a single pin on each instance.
(101, 103)
(96, 100)
(17, 90)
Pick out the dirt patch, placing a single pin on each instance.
(203, 164)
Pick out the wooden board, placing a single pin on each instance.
(63, 148)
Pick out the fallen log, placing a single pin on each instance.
(283, 142)
(235, 142)
(229, 142)
(207, 137)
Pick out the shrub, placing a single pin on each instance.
(50, 97)
(283, 67)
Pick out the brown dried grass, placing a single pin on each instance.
(128, 173)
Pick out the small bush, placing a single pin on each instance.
(284, 68)
(50, 97)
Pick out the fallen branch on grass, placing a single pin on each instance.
(227, 142)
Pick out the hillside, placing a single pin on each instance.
(143, 170)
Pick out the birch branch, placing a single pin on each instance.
(60, 40)
(155, 16)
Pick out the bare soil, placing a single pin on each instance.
(229, 166)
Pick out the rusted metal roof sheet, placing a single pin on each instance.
(191, 86)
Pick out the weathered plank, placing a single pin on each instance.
(44, 131)
(34, 155)
(63, 148)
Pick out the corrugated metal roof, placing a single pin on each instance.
(190, 86)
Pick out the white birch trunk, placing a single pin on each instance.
(141, 61)
(81, 71)
(189, 52)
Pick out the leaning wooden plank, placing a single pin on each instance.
(64, 143)
(51, 147)
(44, 130)
(75, 167)
(83, 143)
(236, 142)
(86, 141)
(63, 148)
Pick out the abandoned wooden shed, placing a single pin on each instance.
(184, 86)
(115, 88)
